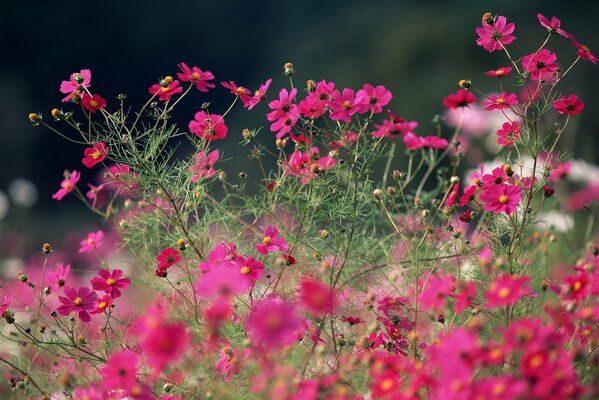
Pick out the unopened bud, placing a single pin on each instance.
(488, 18)
(311, 85)
(508, 170)
(56, 113)
(46, 248)
(246, 133)
(377, 193)
(323, 233)
(35, 118)
(548, 191)
(167, 80)
(21, 276)
(465, 83)
(288, 69)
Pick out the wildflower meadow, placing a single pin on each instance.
(320, 271)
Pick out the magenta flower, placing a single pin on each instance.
(161, 341)
(584, 52)
(242, 92)
(393, 129)
(271, 242)
(504, 100)
(67, 185)
(204, 165)
(274, 323)
(491, 36)
(553, 26)
(317, 297)
(166, 89)
(283, 106)
(58, 278)
(94, 155)
(540, 65)
(103, 303)
(284, 125)
(208, 126)
(300, 164)
(506, 290)
(499, 73)
(110, 282)
(6, 300)
(259, 95)
(120, 371)
(374, 97)
(76, 84)
(412, 141)
(346, 104)
(316, 102)
(568, 105)
(197, 76)
(461, 98)
(221, 281)
(167, 258)
(82, 301)
(249, 268)
(509, 134)
(93, 103)
(93, 241)
(434, 142)
(501, 198)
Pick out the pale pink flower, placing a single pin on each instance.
(93, 241)
(67, 185)
(76, 84)
(204, 165)
(199, 78)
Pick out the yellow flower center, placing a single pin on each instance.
(78, 301)
(499, 389)
(93, 103)
(245, 270)
(240, 90)
(91, 241)
(165, 89)
(499, 72)
(503, 199)
(536, 361)
(102, 305)
(577, 285)
(267, 240)
(387, 384)
(96, 154)
(496, 353)
(504, 292)
(136, 391)
(500, 101)
(273, 321)
(110, 281)
(195, 76)
(347, 104)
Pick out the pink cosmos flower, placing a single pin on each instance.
(259, 95)
(93, 241)
(94, 155)
(344, 105)
(221, 281)
(197, 76)
(274, 322)
(6, 299)
(110, 282)
(228, 362)
(584, 52)
(412, 141)
(300, 164)
(58, 278)
(283, 106)
(120, 371)
(284, 125)
(316, 102)
(374, 97)
(553, 26)
(501, 72)
(436, 290)
(496, 177)
(393, 130)
(77, 82)
(250, 268)
(506, 290)
(93, 103)
(491, 36)
(501, 198)
(82, 301)
(164, 343)
(166, 89)
(208, 126)
(465, 296)
(317, 297)
(568, 105)
(103, 303)
(504, 100)
(434, 142)
(540, 65)
(89, 393)
(168, 257)
(461, 98)
(242, 92)
(272, 242)
(93, 192)
(509, 134)
(204, 165)
(67, 185)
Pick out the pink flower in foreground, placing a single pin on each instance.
(204, 165)
(509, 134)
(166, 89)
(568, 105)
(501, 198)
(197, 76)
(504, 100)
(93, 103)
(168, 257)
(93, 241)
(461, 98)
(540, 65)
(164, 343)
(499, 73)
(208, 126)
(553, 26)
(67, 185)
(242, 92)
(120, 371)
(491, 36)
(584, 52)
(110, 282)
(506, 290)
(82, 301)
(374, 97)
(300, 164)
(271, 241)
(221, 281)
(317, 297)
(274, 322)
(77, 82)
(95, 154)
(58, 278)
(346, 104)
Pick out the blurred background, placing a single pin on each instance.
(417, 49)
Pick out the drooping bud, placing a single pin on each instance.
(548, 191)
(465, 83)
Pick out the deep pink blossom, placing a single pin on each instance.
(76, 84)
(507, 290)
(166, 89)
(568, 105)
(110, 282)
(168, 257)
(344, 105)
(93, 241)
(501, 198)
(120, 371)
(103, 303)
(435, 290)
(82, 301)
(491, 36)
(250, 268)
(504, 100)
(199, 78)
(58, 278)
(272, 241)
(500, 72)
(509, 134)
(374, 97)
(434, 142)
(393, 130)
(584, 52)
(6, 300)
(164, 343)
(93, 103)
(259, 95)
(461, 98)
(316, 102)
(203, 166)
(95, 154)
(274, 322)
(300, 164)
(222, 281)
(243, 93)
(208, 126)
(553, 26)
(283, 106)
(540, 65)
(317, 297)
(67, 185)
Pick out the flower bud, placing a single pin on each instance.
(508, 170)
(246, 133)
(288, 69)
(182, 244)
(21, 276)
(167, 80)
(311, 85)
(56, 113)
(488, 18)
(465, 83)
(35, 118)
(323, 233)
(46, 248)
(548, 191)
(377, 193)
(396, 174)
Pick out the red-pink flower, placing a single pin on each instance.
(110, 282)
(93, 241)
(166, 89)
(393, 130)
(77, 82)
(461, 98)
(93, 103)
(504, 100)
(500, 72)
(67, 185)
(317, 297)
(208, 126)
(250, 268)
(222, 281)
(344, 105)
(584, 52)
(242, 92)
(374, 97)
(568, 105)
(285, 113)
(300, 164)
(58, 278)
(204, 165)
(168, 257)
(539, 65)
(164, 343)
(509, 133)
(120, 371)
(434, 142)
(103, 303)
(259, 95)
(501, 198)
(491, 36)
(506, 290)
(197, 76)
(82, 301)
(271, 241)
(6, 300)
(553, 25)
(315, 104)
(274, 322)
(95, 154)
